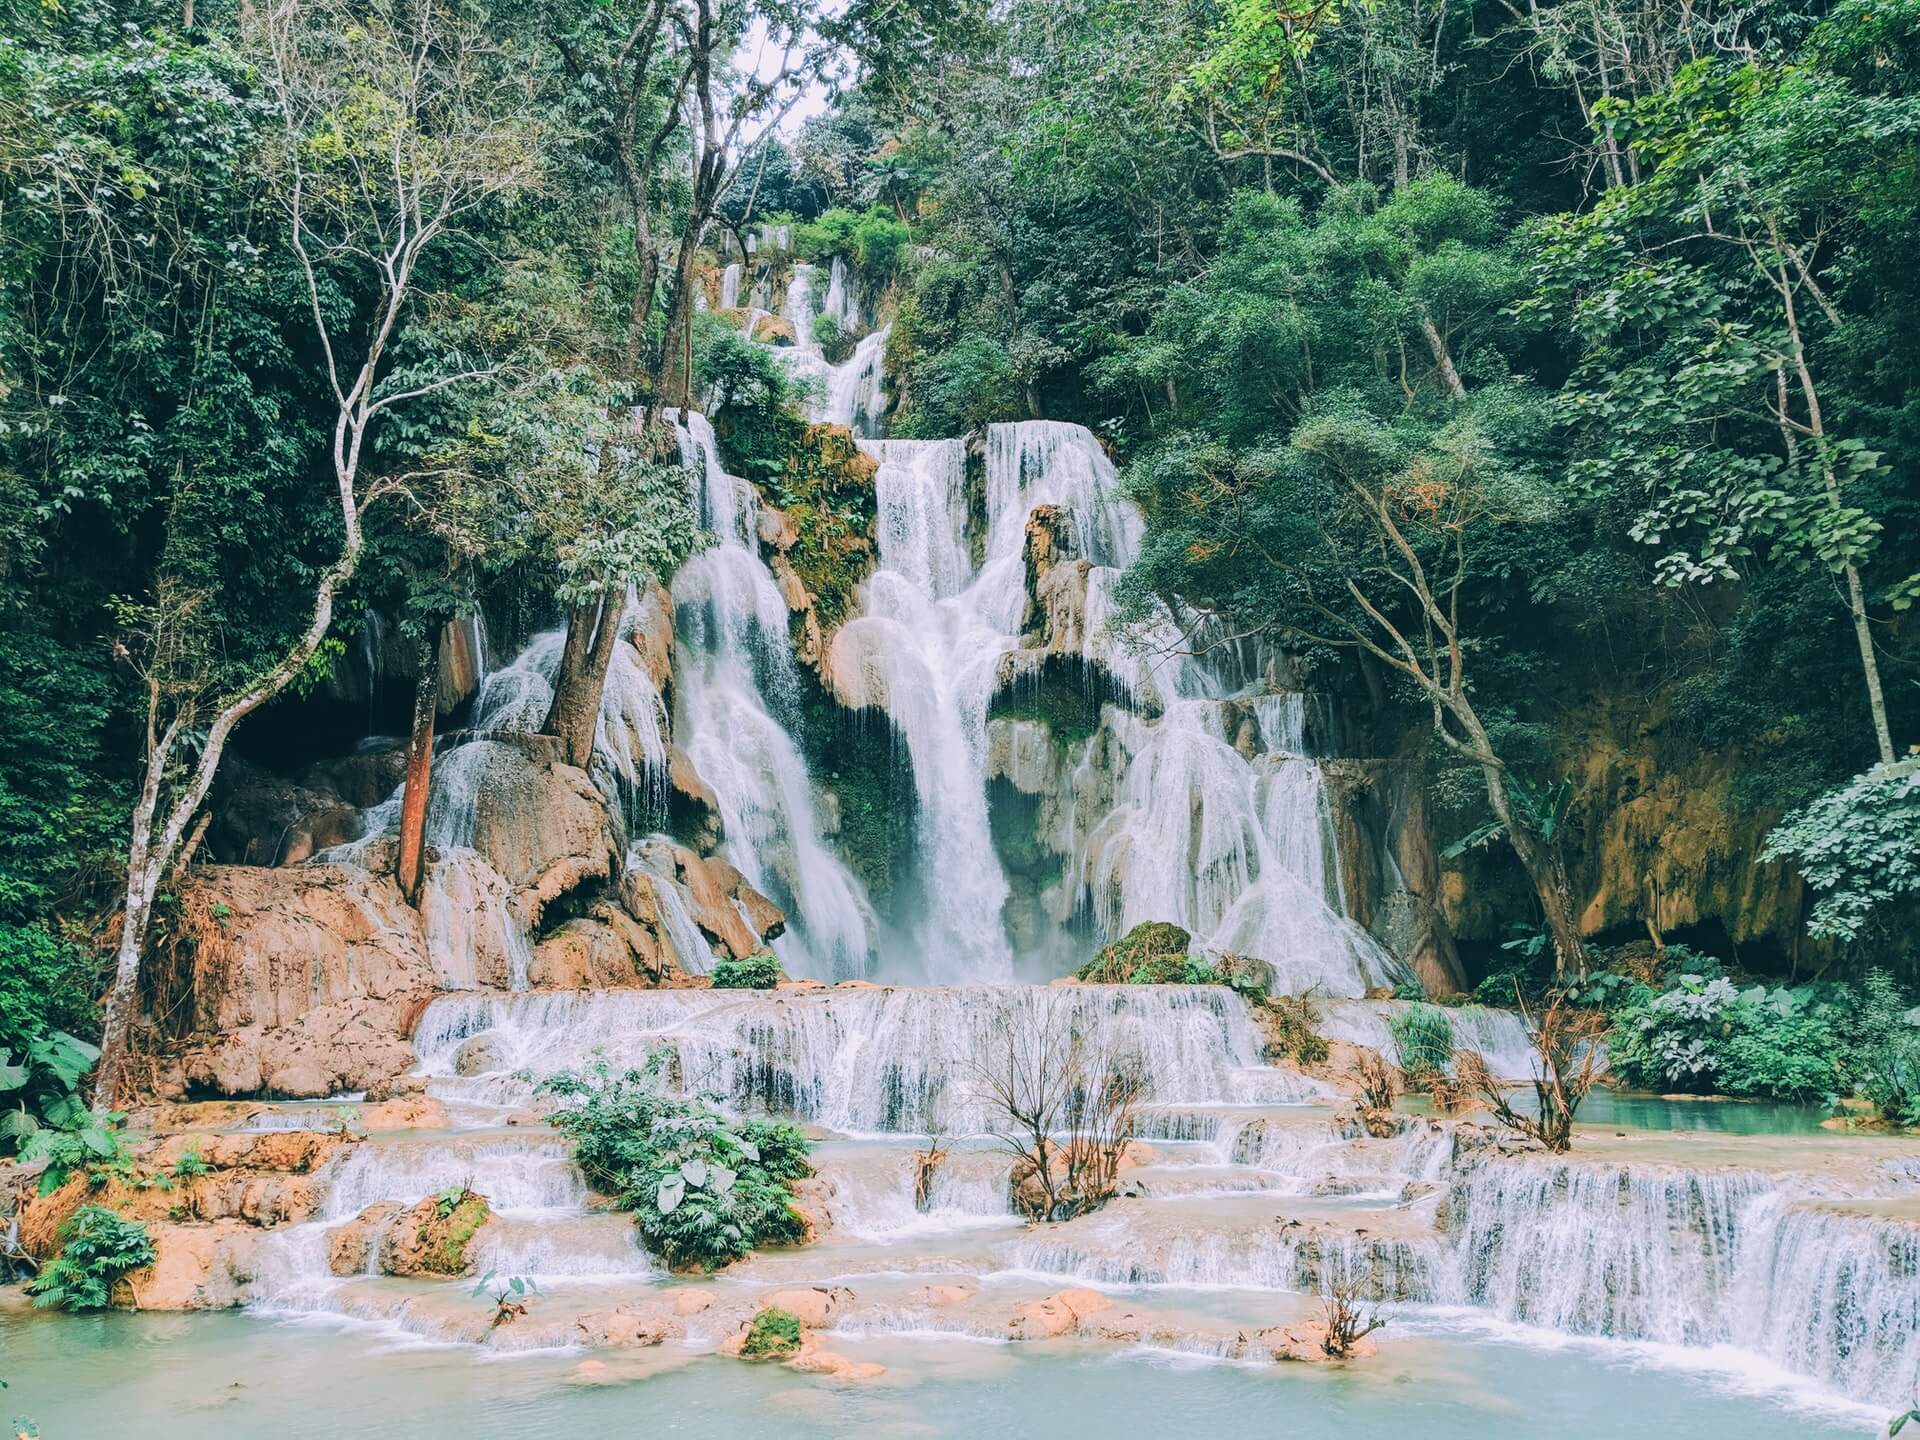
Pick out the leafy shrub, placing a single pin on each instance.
(1854, 846)
(97, 1247)
(1890, 1082)
(1423, 1036)
(756, 972)
(92, 1148)
(40, 1089)
(704, 1189)
(874, 240)
(773, 1333)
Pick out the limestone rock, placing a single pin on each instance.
(195, 1267)
(477, 1056)
(692, 805)
(814, 1307)
(1056, 1315)
(353, 1248)
(423, 1241)
(813, 1358)
(306, 977)
(630, 1326)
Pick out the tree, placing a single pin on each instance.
(1697, 292)
(729, 116)
(395, 125)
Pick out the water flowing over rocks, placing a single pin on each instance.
(1061, 779)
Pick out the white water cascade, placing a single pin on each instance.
(738, 695)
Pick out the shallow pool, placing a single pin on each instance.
(188, 1377)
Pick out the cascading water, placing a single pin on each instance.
(866, 1061)
(738, 698)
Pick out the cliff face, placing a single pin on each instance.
(1654, 836)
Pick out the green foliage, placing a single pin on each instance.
(40, 1090)
(88, 1146)
(873, 240)
(1423, 1037)
(1704, 1033)
(773, 1334)
(1856, 846)
(827, 489)
(756, 972)
(1294, 1025)
(704, 1189)
(191, 1165)
(751, 401)
(97, 1247)
(1154, 945)
(457, 1214)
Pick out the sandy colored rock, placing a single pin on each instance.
(408, 1112)
(195, 1267)
(812, 1358)
(1305, 1343)
(1058, 1314)
(814, 1306)
(353, 1248)
(420, 1241)
(691, 1302)
(630, 1326)
(941, 1296)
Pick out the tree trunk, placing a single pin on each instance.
(592, 631)
(1546, 867)
(411, 866)
(1442, 360)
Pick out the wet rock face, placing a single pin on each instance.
(308, 974)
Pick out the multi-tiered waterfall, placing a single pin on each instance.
(1187, 793)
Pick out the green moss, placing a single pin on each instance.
(773, 1334)
(451, 1229)
(827, 491)
(1153, 948)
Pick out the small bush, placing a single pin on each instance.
(1423, 1036)
(97, 1247)
(1294, 1025)
(704, 1189)
(1158, 948)
(756, 972)
(773, 1333)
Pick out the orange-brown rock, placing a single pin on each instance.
(814, 1306)
(195, 1267)
(1059, 1314)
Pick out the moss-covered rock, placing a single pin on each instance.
(1153, 948)
(827, 492)
(774, 1335)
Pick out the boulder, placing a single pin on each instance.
(429, 1240)
(539, 822)
(814, 1307)
(942, 1296)
(1305, 1343)
(712, 902)
(479, 1055)
(812, 1358)
(354, 1248)
(1059, 1314)
(195, 1267)
(630, 1326)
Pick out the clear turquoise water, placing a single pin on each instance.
(174, 1377)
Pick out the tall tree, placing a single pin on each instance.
(394, 125)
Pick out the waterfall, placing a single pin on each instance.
(842, 304)
(926, 651)
(861, 1061)
(739, 697)
(730, 286)
(851, 394)
(652, 857)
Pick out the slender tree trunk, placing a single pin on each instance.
(1856, 597)
(1546, 867)
(411, 866)
(1442, 360)
(592, 631)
